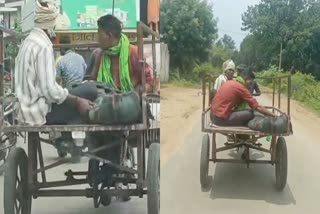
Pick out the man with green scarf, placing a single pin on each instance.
(232, 94)
(116, 61)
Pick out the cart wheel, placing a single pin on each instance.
(204, 163)
(105, 199)
(17, 199)
(281, 163)
(153, 179)
(8, 142)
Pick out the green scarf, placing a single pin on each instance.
(105, 74)
(244, 105)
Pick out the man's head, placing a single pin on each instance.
(248, 76)
(45, 16)
(241, 68)
(109, 31)
(229, 69)
(65, 40)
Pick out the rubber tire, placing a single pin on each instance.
(17, 158)
(153, 179)
(204, 163)
(7, 152)
(281, 166)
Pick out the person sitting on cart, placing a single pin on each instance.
(116, 61)
(229, 96)
(240, 68)
(254, 87)
(40, 96)
(228, 73)
(71, 68)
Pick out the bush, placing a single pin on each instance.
(304, 87)
(205, 69)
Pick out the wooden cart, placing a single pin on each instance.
(277, 149)
(23, 169)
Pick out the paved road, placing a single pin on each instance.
(76, 205)
(237, 189)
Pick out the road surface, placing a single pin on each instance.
(237, 189)
(76, 205)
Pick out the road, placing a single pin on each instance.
(236, 188)
(77, 205)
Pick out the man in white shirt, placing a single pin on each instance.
(228, 72)
(35, 73)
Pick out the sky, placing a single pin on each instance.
(229, 13)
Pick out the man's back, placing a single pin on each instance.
(71, 68)
(35, 84)
(228, 96)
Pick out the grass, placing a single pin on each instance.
(304, 87)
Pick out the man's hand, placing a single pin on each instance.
(265, 111)
(83, 105)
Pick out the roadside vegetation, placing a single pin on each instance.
(281, 34)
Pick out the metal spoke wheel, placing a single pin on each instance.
(7, 142)
(204, 163)
(281, 165)
(153, 179)
(17, 199)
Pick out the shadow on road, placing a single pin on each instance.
(236, 181)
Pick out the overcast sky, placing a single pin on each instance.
(229, 13)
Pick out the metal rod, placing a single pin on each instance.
(273, 93)
(53, 165)
(224, 148)
(140, 162)
(121, 168)
(242, 161)
(47, 141)
(1, 64)
(113, 7)
(43, 174)
(62, 183)
(279, 94)
(203, 94)
(289, 95)
(101, 148)
(69, 128)
(87, 193)
(259, 148)
(148, 30)
(154, 62)
(95, 45)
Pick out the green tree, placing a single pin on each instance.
(223, 50)
(288, 25)
(189, 29)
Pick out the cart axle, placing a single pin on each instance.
(241, 161)
(87, 193)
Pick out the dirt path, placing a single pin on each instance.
(235, 188)
(180, 108)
